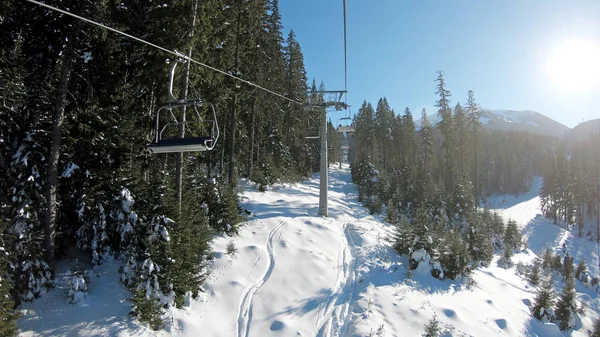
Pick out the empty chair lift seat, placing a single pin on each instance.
(170, 145)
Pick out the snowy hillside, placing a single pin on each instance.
(297, 274)
(514, 121)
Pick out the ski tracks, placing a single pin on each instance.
(337, 309)
(245, 307)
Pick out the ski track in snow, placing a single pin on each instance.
(245, 307)
(337, 310)
(344, 281)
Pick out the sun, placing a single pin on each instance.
(574, 65)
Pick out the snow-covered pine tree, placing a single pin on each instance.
(32, 275)
(473, 115)
(557, 264)
(547, 259)
(8, 316)
(477, 237)
(79, 283)
(566, 307)
(454, 257)
(505, 260)
(544, 301)
(424, 176)
(422, 237)
(534, 274)
(462, 200)
(433, 328)
(403, 237)
(567, 268)
(22, 161)
(582, 272)
(495, 225)
(512, 236)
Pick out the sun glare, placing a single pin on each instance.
(574, 65)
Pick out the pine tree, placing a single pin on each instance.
(512, 236)
(454, 257)
(403, 238)
(534, 274)
(557, 264)
(433, 328)
(506, 259)
(547, 258)
(8, 316)
(425, 161)
(478, 240)
(448, 132)
(581, 272)
(384, 117)
(567, 268)
(566, 307)
(473, 116)
(365, 132)
(460, 132)
(544, 301)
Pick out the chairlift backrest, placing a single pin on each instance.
(163, 144)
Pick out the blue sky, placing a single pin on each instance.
(499, 49)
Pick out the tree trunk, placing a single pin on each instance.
(476, 170)
(224, 137)
(232, 123)
(55, 140)
(252, 128)
(230, 177)
(184, 92)
(580, 218)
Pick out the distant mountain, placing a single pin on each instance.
(582, 131)
(512, 120)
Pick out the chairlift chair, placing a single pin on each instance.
(163, 144)
(345, 129)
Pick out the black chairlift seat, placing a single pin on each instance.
(186, 144)
(171, 145)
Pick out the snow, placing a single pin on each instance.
(87, 56)
(539, 232)
(71, 167)
(298, 274)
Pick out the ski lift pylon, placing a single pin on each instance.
(187, 144)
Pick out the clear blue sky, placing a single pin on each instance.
(499, 49)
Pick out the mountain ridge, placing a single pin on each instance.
(514, 120)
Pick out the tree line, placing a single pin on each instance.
(571, 187)
(432, 181)
(456, 162)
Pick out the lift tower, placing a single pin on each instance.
(322, 107)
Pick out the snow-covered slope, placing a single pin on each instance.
(297, 274)
(512, 120)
